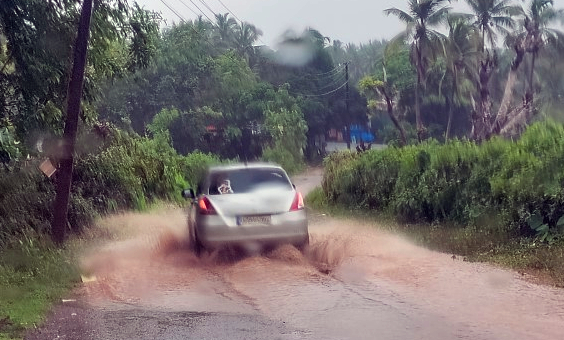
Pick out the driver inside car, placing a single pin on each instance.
(225, 187)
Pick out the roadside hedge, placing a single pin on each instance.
(124, 172)
(499, 183)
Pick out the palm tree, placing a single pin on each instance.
(535, 34)
(425, 42)
(245, 37)
(225, 28)
(540, 15)
(491, 16)
(461, 58)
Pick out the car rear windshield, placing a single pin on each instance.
(247, 180)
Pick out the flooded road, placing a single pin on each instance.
(354, 282)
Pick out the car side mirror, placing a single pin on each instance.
(188, 194)
(294, 186)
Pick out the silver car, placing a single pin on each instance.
(246, 205)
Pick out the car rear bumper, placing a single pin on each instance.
(287, 228)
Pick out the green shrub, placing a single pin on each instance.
(126, 173)
(499, 182)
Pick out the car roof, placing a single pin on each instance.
(241, 166)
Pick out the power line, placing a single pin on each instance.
(206, 39)
(323, 94)
(335, 70)
(227, 8)
(173, 11)
(237, 18)
(334, 82)
(208, 7)
(199, 9)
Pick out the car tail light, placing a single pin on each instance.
(298, 203)
(206, 208)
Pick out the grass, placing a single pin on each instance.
(543, 261)
(33, 275)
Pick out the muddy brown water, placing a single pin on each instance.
(354, 282)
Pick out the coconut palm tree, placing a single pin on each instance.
(492, 17)
(461, 55)
(225, 29)
(535, 34)
(425, 42)
(539, 17)
(246, 36)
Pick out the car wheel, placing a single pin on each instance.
(195, 245)
(304, 244)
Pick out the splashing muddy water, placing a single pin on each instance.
(353, 282)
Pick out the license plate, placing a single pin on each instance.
(253, 220)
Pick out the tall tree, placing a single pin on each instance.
(425, 42)
(246, 35)
(491, 17)
(539, 18)
(225, 28)
(461, 58)
(390, 86)
(375, 88)
(535, 34)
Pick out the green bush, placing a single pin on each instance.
(126, 173)
(498, 183)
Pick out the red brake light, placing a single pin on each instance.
(206, 208)
(298, 203)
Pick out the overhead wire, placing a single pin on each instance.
(335, 69)
(227, 8)
(329, 74)
(340, 78)
(206, 39)
(173, 11)
(199, 9)
(320, 95)
(208, 7)
(237, 18)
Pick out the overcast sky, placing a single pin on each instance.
(351, 21)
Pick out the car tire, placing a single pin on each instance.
(197, 247)
(304, 244)
(195, 244)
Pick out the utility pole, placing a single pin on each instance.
(348, 118)
(64, 177)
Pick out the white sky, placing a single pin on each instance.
(351, 21)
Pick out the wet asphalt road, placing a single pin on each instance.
(354, 282)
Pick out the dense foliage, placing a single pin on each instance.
(205, 87)
(496, 184)
(123, 172)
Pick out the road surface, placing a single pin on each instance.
(355, 282)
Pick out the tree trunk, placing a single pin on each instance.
(394, 119)
(418, 121)
(449, 121)
(531, 89)
(64, 178)
(502, 113)
(481, 119)
(450, 102)
(518, 118)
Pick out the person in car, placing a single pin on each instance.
(225, 187)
